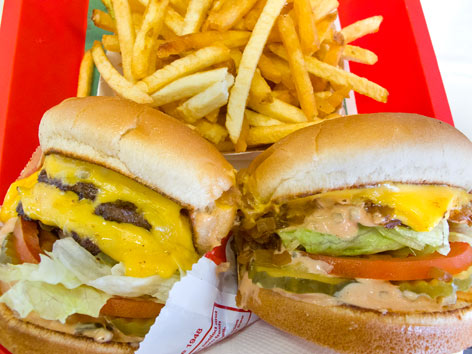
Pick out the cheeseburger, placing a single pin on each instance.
(356, 235)
(122, 202)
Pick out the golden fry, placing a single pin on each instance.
(211, 131)
(85, 75)
(241, 144)
(188, 86)
(306, 26)
(206, 101)
(174, 21)
(103, 20)
(111, 43)
(325, 26)
(180, 6)
(322, 8)
(297, 65)
(260, 91)
(213, 115)
(273, 133)
(194, 16)
(260, 120)
(146, 38)
(230, 14)
(251, 18)
(196, 61)
(279, 110)
(182, 44)
(214, 9)
(247, 67)
(126, 35)
(284, 95)
(339, 76)
(269, 69)
(109, 6)
(359, 55)
(113, 78)
(361, 28)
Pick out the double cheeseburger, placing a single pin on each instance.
(356, 235)
(123, 200)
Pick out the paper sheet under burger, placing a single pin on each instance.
(201, 311)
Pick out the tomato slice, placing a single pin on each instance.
(26, 241)
(131, 308)
(409, 268)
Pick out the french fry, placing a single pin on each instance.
(361, 28)
(252, 16)
(359, 55)
(213, 116)
(146, 38)
(206, 101)
(103, 20)
(196, 61)
(226, 146)
(247, 67)
(211, 131)
(324, 26)
(260, 91)
(333, 55)
(284, 95)
(306, 26)
(137, 21)
(181, 44)
(109, 6)
(339, 76)
(195, 15)
(111, 43)
(174, 21)
(113, 78)
(297, 65)
(180, 6)
(279, 110)
(271, 134)
(214, 9)
(260, 120)
(126, 35)
(322, 8)
(231, 13)
(241, 144)
(236, 56)
(269, 69)
(85, 75)
(188, 86)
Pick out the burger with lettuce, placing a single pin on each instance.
(356, 234)
(119, 202)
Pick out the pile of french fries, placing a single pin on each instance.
(242, 73)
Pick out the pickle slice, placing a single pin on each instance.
(132, 327)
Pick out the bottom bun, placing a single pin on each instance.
(352, 329)
(21, 337)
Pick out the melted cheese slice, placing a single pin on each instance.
(161, 251)
(420, 207)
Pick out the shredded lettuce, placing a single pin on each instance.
(369, 240)
(460, 233)
(73, 276)
(53, 302)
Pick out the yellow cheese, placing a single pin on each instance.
(420, 207)
(162, 251)
(13, 197)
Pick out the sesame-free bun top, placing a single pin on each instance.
(362, 150)
(141, 143)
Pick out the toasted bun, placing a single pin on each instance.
(362, 150)
(139, 142)
(21, 337)
(150, 147)
(350, 329)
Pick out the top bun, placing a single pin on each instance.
(141, 143)
(362, 150)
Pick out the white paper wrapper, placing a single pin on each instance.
(201, 310)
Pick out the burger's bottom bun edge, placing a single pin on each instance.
(350, 329)
(21, 337)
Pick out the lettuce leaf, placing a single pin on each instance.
(369, 240)
(73, 276)
(460, 233)
(53, 302)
